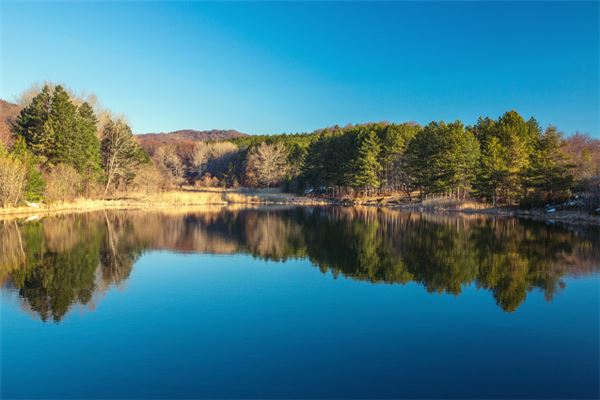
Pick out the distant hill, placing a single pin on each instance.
(184, 138)
(8, 113)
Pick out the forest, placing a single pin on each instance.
(64, 146)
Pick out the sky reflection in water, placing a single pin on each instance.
(368, 303)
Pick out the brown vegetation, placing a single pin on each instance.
(142, 199)
(185, 139)
(8, 113)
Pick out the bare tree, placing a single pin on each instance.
(199, 158)
(167, 157)
(267, 163)
(120, 152)
(13, 175)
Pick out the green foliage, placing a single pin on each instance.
(87, 154)
(32, 124)
(442, 158)
(505, 161)
(549, 174)
(13, 173)
(35, 186)
(56, 131)
(62, 122)
(366, 166)
(35, 183)
(507, 147)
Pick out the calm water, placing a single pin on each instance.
(297, 302)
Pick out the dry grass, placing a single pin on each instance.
(449, 204)
(181, 198)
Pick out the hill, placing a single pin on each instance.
(184, 138)
(8, 113)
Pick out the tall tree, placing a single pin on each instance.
(267, 163)
(442, 158)
(120, 152)
(31, 124)
(394, 139)
(492, 170)
(507, 146)
(87, 155)
(366, 167)
(62, 122)
(550, 170)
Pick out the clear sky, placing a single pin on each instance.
(292, 67)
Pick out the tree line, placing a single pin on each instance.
(504, 161)
(64, 147)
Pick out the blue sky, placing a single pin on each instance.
(292, 67)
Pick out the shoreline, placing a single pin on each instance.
(176, 199)
(220, 198)
(570, 217)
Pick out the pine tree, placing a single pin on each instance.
(87, 154)
(31, 124)
(365, 174)
(507, 146)
(63, 123)
(418, 154)
(519, 139)
(442, 158)
(492, 169)
(550, 172)
(394, 139)
(465, 153)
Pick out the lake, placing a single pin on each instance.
(297, 302)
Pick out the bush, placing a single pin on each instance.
(13, 177)
(35, 185)
(63, 183)
(150, 179)
(208, 181)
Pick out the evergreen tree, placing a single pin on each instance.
(365, 174)
(87, 154)
(31, 124)
(464, 154)
(550, 171)
(62, 121)
(519, 139)
(442, 158)
(394, 139)
(492, 169)
(507, 146)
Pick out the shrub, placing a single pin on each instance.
(63, 183)
(150, 179)
(35, 185)
(13, 177)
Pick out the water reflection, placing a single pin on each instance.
(57, 262)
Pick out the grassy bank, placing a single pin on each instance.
(574, 217)
(179, 198)
(194, 197)
(450, 205)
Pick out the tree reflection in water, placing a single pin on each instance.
(58, 262)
